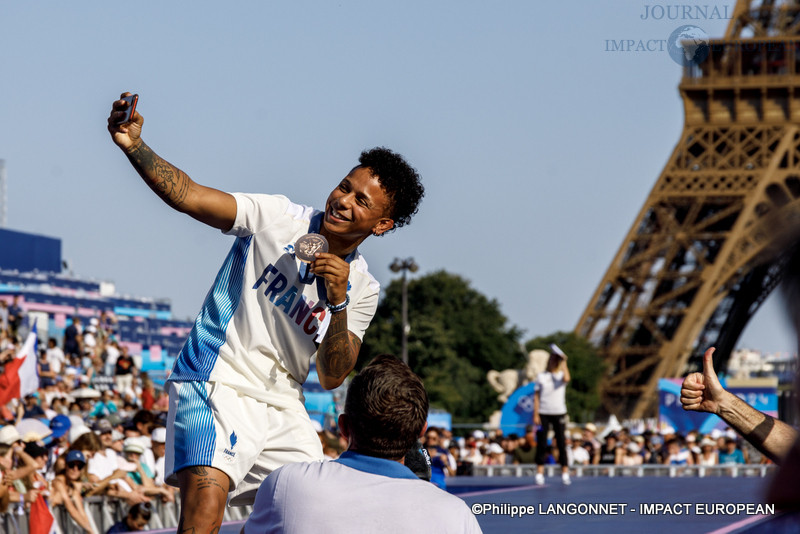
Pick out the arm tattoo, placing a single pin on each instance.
(759, 434)
(166, 180)
(338, 351)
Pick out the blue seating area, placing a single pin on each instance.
(141, 322)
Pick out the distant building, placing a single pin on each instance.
(30, 267)
(748, 363)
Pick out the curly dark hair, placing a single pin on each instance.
(400, 181)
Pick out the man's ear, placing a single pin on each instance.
(424, 429)
(382, 226)
(344, 426)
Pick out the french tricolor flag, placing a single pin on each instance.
(21, 375)
(41, 518)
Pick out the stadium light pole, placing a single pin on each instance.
(397, 266)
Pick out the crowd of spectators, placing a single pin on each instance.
(95, 427)
(101, 432)
(585, 446)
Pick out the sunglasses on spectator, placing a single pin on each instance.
(75, 465)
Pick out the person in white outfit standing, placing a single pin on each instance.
(550, 410)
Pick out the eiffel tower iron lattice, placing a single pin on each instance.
(707, 246)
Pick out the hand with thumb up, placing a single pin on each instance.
(702, 392)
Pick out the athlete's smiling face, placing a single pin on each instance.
(358, 207)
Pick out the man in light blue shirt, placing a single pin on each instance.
(368, 489)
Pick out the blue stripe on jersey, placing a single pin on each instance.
(195, 435)
(201, 350)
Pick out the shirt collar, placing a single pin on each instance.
(316, 223)
(376, 466)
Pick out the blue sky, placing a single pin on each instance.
(537, 146)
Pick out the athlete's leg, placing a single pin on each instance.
(560, 427)
(541, 443)
(196, 432)
(204, 492)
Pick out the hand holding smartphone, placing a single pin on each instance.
(131, 100)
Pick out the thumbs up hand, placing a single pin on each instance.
(702, 392)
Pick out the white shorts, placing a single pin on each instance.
(211, 424)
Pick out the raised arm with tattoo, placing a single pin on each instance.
(210, 206)
(703, 392)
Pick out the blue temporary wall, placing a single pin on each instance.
(29, 252)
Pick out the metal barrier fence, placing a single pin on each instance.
(103, 512)
(655, 470)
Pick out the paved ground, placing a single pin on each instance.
(617, 505)
(633, 505)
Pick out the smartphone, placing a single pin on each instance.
(131, 100)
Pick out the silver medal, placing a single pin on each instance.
(308, 245)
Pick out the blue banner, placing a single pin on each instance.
(517, 412)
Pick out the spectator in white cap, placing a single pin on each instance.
(118, 442)
(708, 452)
(158, 439)
(140, 427)
(632, 455)
(143, 476)
(495, 455)
(106, 468)
(472, 454)
(77, 431)
(9, 435)
(578, 452)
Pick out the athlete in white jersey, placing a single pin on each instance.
(236, 404)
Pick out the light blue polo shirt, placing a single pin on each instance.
(355, 494)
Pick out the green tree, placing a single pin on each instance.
(457, 335)
(585, 367)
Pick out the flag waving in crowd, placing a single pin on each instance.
(41, 518)
(20, 376)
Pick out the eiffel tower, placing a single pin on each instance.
(706, 248)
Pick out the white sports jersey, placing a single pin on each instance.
(259, 323)
(355, 493)
(552, 391)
